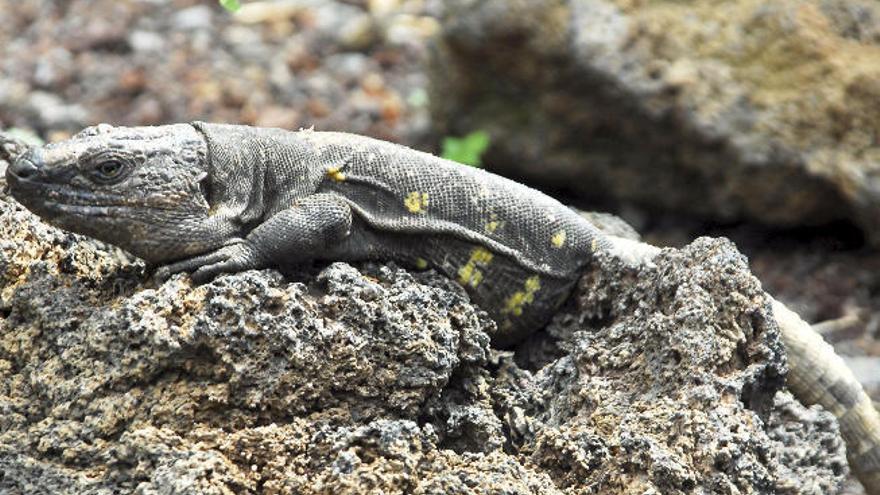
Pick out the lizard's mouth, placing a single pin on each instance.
(73, 210)
(46, 189)
(57, 203)
(29, 193)
(27, 184)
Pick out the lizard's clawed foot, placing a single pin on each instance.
(228, 259)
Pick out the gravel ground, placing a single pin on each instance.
(333, 65)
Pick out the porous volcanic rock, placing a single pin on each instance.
(368, 379)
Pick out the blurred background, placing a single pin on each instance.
(752, 120)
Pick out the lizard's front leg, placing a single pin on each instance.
(312, 225)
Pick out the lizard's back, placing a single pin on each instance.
(517, 251)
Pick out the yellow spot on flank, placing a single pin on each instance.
(470, 274)
(421, 263)
(416, 202)
(558, 239)
(593, 245)
(516, 302)
(492, 226)
(336, 174)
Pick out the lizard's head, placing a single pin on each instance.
(139, 188)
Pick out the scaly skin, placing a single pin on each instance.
(819, 376)
(210, 199)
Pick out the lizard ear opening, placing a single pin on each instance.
(205, 187)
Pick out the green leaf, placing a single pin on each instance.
(468, 149)
(230, 5)
(418, 97)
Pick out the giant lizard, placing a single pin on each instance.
(210, 199)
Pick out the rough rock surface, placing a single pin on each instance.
(729, 110)
(370, 379)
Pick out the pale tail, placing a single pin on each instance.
(817, 375)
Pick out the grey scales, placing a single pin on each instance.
(212, 198)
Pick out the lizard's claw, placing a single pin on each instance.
(228, 259)
(162, 274)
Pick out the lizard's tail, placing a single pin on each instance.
(817, 375)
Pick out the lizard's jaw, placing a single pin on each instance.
(115, 219)
(52, 191)
(32, 194)
(32, 186)
(75, 211)
(41, 198)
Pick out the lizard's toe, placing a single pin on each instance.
(162, 274)
(230, 259)
(209, 272)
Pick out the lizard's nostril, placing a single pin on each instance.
(24, 167)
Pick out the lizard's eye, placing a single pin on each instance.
(108, 170)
